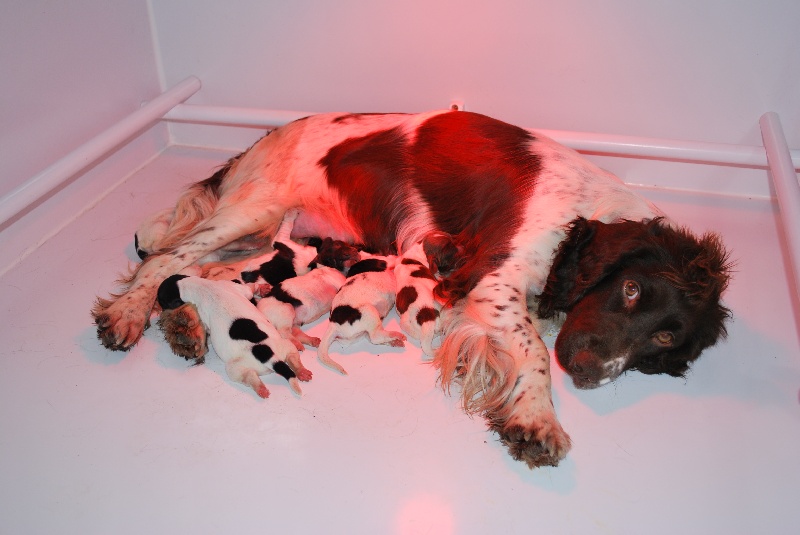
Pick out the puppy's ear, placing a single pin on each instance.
(590, 252)
(169, 294)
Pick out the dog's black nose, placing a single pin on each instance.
(583, 366)
(142, 253)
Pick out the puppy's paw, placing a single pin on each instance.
(304, 374)
(542, 442)
(184, 332)
(397, 339)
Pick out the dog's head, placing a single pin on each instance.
(637, 296)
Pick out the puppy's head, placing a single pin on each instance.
(169, 293)
(637, 295)
(335, 254)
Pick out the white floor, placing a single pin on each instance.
(93, 441)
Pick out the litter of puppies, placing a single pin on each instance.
(251, 311)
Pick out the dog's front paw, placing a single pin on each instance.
(184, 331)
(540, 443)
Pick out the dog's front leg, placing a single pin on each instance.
(491, 345)
(529, 427)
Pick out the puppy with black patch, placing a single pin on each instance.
(287, 259)
(360, 307)
(186, 336)
(415, 304)
(301, 300)
(245, 341)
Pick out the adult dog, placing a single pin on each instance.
(530, 217)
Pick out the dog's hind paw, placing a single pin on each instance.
(118, 332)
(544, 444)
(184, 332)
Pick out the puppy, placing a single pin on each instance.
(360, 306)
(415, 304)
(245, 341)
(300, 300)
(186, 335)
(287, 259)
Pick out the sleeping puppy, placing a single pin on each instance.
(415, 304)
(287, 259)
(244, 340)
(182, 330)
(301, 300)
(360, 306)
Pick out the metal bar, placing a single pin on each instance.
(667, 149)
(95, 149)
(787, 189)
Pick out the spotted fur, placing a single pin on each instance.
(415, 302)
(360, 306)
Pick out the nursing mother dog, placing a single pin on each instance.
(535, 224)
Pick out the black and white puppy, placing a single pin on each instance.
(306, 298)
(360, 307)
(245, 341)
(415, 303)
(182, 329)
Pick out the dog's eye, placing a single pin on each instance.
(664, 338)
(631, 289)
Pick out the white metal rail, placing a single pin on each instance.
(94, 150)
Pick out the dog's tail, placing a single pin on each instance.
(475, 359)
(194, 205)
(322, 351)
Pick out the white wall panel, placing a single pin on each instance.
(69, 71)
(677, 69)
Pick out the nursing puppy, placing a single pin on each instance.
(360, 307)
(247, 344)
(182, 329)
(303, 299)
(415, 303)
(287, 259)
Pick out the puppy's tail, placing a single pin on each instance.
(322, 351)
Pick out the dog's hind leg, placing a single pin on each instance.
(246, 376)
(377, 334)
(122, 320)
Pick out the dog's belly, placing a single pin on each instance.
(309, 224)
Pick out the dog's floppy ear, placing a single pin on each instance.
(169, 295)
(590, 252)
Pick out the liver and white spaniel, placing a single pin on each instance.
(529, 218)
